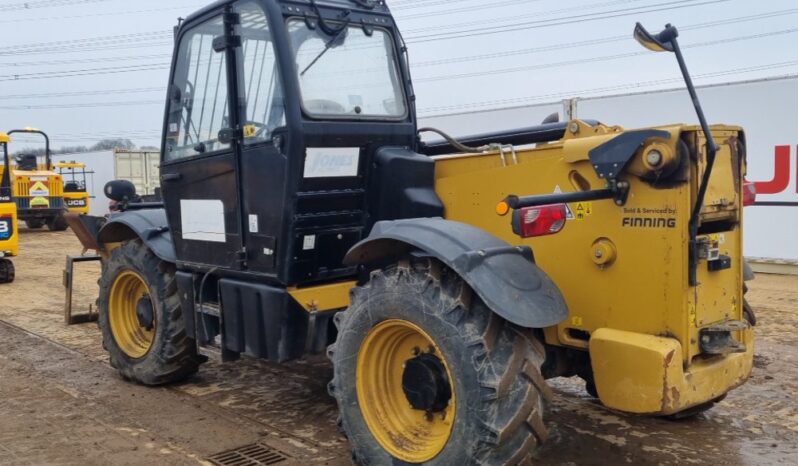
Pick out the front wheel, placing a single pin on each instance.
(425, 373)
(141, 318)
(57, 223)
(34, 223)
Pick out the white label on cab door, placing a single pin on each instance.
(331, 162)
(202, 220)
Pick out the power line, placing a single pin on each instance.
(599, 90)
(480, 73)
(152, 35)
(450, 60)
(45, 4)
(667, 6)
(94, 15)
(84, 72)
(81, 105)
(599, 41)
(536, 14)
(538, 66)
(84, 93)
(450, 11)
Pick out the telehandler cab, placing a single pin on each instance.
(301, 209)
(9, 238)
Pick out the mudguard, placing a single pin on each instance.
(504, 276)
(148, 224)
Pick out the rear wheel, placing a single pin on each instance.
(426, 373)
(57, 223)
(34, 223)
(7, 271)
(141, 318)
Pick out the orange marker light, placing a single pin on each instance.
(502, 208)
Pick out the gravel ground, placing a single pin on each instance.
(60, 402)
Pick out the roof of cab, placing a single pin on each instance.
(379, 6)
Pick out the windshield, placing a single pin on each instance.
(348, 74)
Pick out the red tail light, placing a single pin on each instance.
(539, 221)
(749, 193)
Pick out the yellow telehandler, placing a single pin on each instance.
(448, 280)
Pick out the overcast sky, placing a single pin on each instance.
(465, 55)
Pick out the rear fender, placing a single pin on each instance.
(150, 225)
(504, 276)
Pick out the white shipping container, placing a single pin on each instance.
(762, 107)
(142, 168)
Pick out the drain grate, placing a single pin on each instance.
(255, 454)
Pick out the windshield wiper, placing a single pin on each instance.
(327, 47)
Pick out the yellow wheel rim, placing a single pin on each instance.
(133, 339)
(410, 434)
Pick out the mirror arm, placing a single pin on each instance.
(712, 150)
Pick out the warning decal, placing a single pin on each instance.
(568, 211)
(39, 189)
(582, 210)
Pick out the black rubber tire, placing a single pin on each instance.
(173, 356)
(7, 271)
(495, 365)
(57, 223)
(34, 224)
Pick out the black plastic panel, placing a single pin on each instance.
(403, 186)
(261, 321)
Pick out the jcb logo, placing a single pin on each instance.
(781, 177)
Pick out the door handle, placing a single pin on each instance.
(167, 177)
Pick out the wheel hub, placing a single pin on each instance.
(145, 313)
(406, 395)
(426, 384)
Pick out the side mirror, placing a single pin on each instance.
(662, 42)
(120, 190)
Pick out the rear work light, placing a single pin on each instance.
(540, 220)
(749, 193)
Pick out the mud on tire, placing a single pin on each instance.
(495, 366)
(172, 356)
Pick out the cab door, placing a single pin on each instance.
(200, 174)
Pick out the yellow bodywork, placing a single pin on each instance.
(8, 215)
(623, 270)
(9, 236)
(41, 189)
(640, 373)
(322, 298)
(75, 201)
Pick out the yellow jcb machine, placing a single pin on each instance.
(307, 212)
(38, 189)
(9, 238)
(76, 191)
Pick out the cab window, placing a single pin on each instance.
(198, 97)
